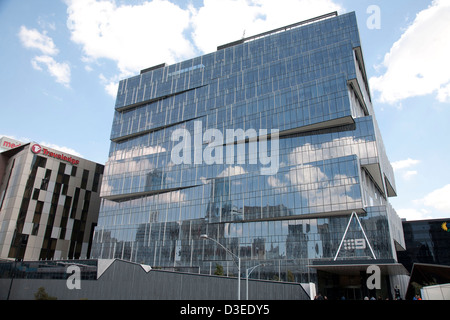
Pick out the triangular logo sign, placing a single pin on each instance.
(349, 244)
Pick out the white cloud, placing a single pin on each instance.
(171, 197)
(21, 139)
(231, 171)
(409, 174)
(111, 88)
(33, 39)
(277, 184)
(439, 199)
(60, 71)
(443, 94)
(133, 36)
(417, 64)
(61, 148)
(220, 22)
(152, 32)
(111, 84)
(434, 205)
(400, 166)
(414, 214)
(403, 164)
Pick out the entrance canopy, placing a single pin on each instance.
(350, 267)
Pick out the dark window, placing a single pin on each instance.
(84, 179)
(74, 171)
(44, 183)
(36, 194)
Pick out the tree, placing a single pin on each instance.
(219, 270)
(41, 294)
(290, 276)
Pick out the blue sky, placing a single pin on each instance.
(61, 62)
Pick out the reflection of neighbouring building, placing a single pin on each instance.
(154, 181)
(220, 205)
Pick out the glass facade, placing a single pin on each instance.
(48, 269)
(427, 242)
(308, 83)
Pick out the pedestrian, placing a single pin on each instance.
(319, 297)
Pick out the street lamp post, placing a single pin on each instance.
(206, 237)
(247, 274)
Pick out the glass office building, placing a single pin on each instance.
(304, 153)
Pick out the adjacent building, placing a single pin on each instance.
(49, 203)
(270, 147)
(7, 143)
(427, 242)
(427, 257)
